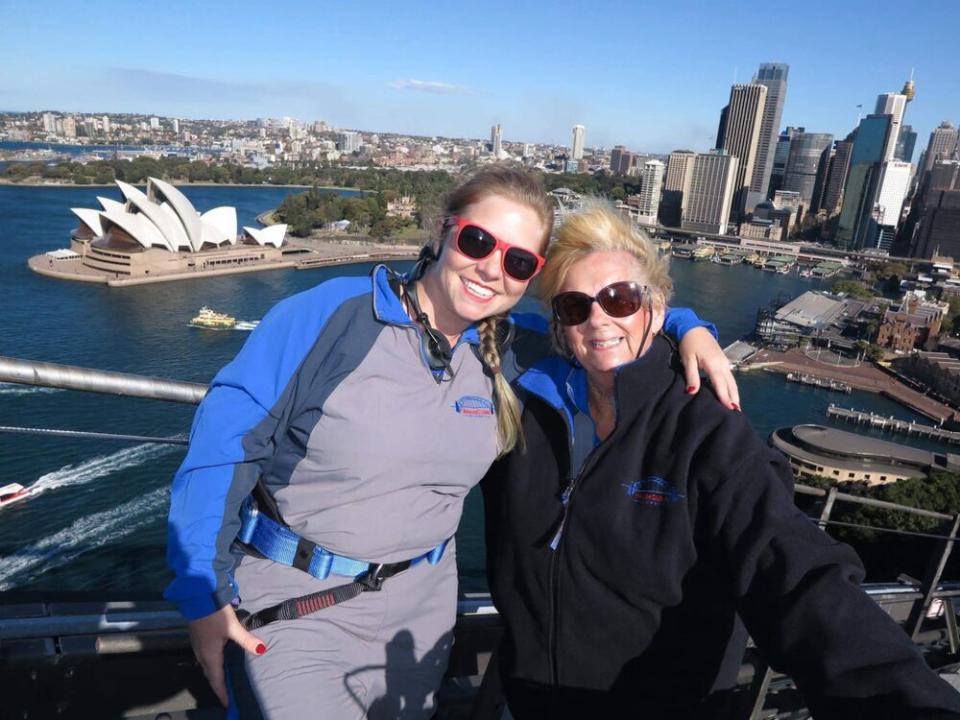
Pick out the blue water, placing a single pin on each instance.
(96, 519)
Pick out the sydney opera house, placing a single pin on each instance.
(159, 235)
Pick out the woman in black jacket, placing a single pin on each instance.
(641, 521)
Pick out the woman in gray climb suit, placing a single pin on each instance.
(361, 411)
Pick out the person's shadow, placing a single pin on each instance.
(409, 682)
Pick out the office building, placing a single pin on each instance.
(942, 145)
(807, 152)
(619, 160)
(862, 178)
(741, 138)
(651, 179)
(712, 188)
(894, 105)
(837, 175)
(891, 194)
(906, 144)
(774, 77)
(496, 140)
(676, 186)
(938, 213)
(579, 140)
(781, 154)
(105, 124)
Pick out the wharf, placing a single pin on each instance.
(892, 424)
(820, 382)
(864, 376)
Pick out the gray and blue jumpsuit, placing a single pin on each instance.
(333, 405)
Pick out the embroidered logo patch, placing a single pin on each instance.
(473, 405)
(653, 491)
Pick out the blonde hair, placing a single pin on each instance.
(599, 228)
(521, 188)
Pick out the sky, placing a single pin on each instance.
(652, 76)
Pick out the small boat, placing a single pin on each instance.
(210, 319)
(704, 252)
(12, 492)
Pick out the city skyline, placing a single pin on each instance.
(526, 68)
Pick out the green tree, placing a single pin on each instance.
(852, 288)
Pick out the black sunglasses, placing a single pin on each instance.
(618, 300)
(477, 243)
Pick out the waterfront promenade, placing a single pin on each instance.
(864, 376)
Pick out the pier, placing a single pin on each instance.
(820, 382)
(892, 424)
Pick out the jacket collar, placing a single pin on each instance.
(388, 307)
(562, 385)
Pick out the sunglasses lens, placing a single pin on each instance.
(571, 308)
(520, 264)
(620, 299)
(475, 243)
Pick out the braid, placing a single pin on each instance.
(507, 406)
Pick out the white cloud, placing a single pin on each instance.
(431, 86)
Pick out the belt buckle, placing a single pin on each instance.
(372, 580)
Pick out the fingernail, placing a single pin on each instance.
(735, 407)
(261, 649)
(691, 389)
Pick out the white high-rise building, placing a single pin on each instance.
(49, 122)
(496, 140)
(154, 123)
(579, 141)
(176, 126)
(893, 104)
(651, 177)
(892, 190)
(712, 188)
(349, 141)
(105, 123)
(741, 137)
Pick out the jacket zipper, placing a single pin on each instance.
(566, 498)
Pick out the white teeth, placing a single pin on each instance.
(479, 290)
(603, 344)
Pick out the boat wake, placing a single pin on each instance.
(13, 389)
(99, 466)
(246, 324)
(84, 535)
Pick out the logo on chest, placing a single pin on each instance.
(474, 405)
(653, 491)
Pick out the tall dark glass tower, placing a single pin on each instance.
(862, 180)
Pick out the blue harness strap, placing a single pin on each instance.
(282, 545)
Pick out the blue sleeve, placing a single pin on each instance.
(679, 321)
(231, 437)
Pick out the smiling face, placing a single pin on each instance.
(602, 343)
(460, 290)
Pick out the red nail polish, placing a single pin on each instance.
(735, 407)
(691, 389)
(261, 649)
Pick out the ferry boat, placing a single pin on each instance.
(704, 252)
(11, 493)
(682, 251)
(728, 259)
(210, 319)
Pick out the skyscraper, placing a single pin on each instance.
(942, 145)
(938, 229)
(579, 138)
(712, 187)
(862, 179)
(837, 175)
(905, 144)
(894, 105)
(742, 138)
(496, 140)
(774, 77)
(891, 192)
(676, 186)
(619, 160)
(806, 153)
(781, 154)
(651, 177)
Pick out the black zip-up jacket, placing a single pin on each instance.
(677, 522)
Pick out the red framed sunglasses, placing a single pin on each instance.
(477, 243)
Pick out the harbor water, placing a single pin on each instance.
(96, 518)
